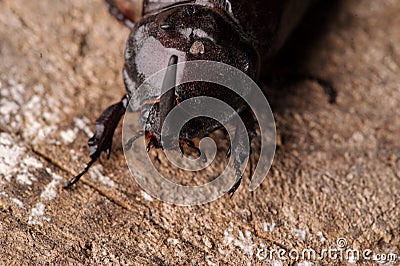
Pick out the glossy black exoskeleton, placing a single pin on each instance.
(244, 34)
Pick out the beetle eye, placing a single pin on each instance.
(167, 27)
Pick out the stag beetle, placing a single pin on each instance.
(164, 32)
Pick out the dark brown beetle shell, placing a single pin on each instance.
(240, 33)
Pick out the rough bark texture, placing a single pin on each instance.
(336, 172)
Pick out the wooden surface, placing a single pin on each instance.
(336, 172)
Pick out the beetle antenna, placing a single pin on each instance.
(76, 178)
(168, 99)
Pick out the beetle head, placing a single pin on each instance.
(189, 32)
(192, 32)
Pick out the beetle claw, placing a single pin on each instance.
(238, 149)
(235, 186)
(76, 178)
(233, 189)
(102, 139)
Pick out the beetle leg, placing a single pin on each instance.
(102, 139)
(105, 127)
(126, 11)
(235, 186)
(238, 148)
(250, 124)
(76, 178)
(128, 145)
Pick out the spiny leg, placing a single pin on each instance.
(102, 139)
(238, 148)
